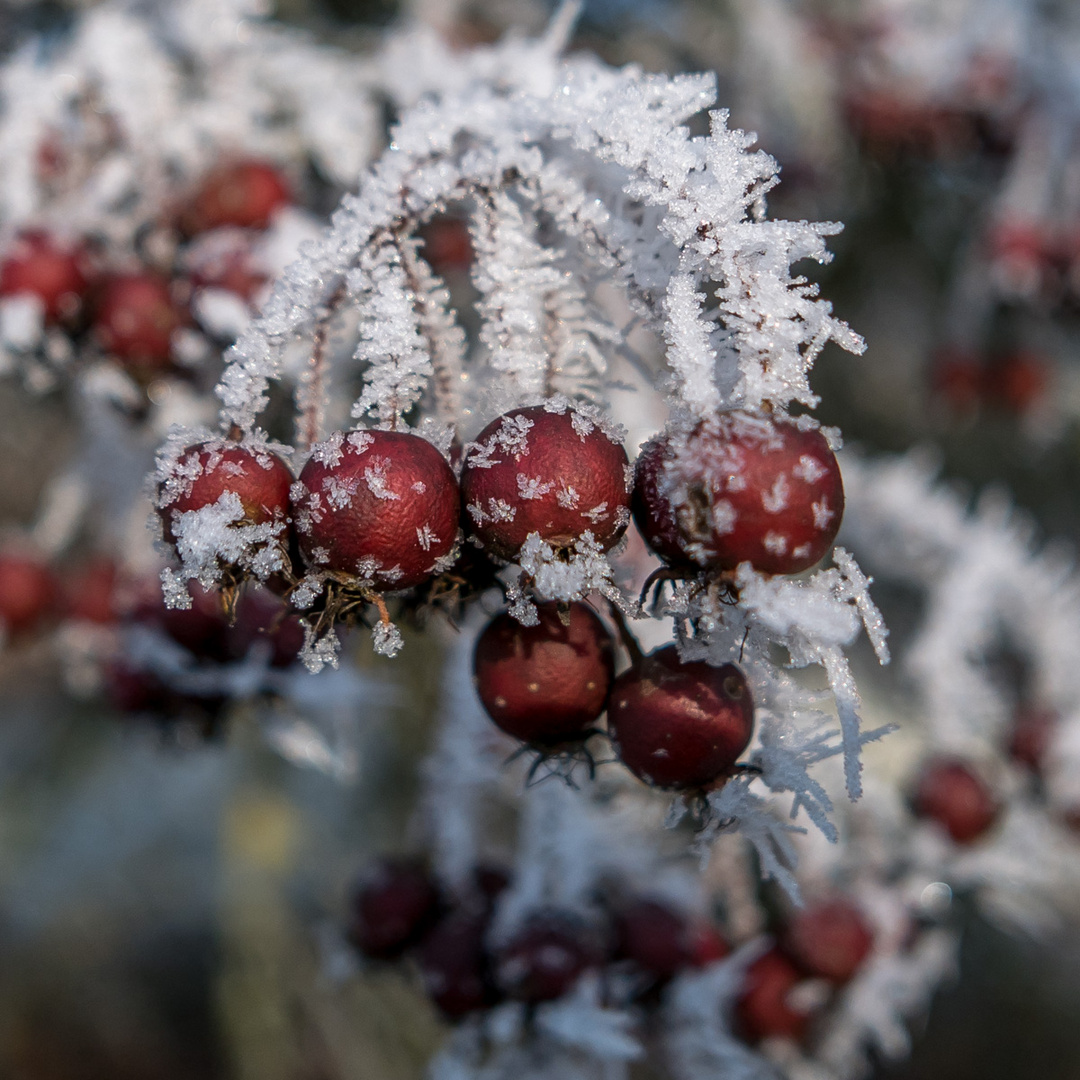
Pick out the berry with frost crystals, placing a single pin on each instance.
(394, 905)
(764, 1009)
(203, 473)
(243, 194)
(56, 275)
(546, 957)
(538, 470)
(829, 940)
(951, 793)
(27, 592)
(680, 725)
(740, 488)
(662, 941)
(382, 506)
(135, 317)
(545, 684)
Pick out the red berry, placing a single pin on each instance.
(203, 473)
(951, 793)
(262, 617)
(381, 505)
(447, 244)
(1032, 732)
(394, 905)
(135, 317)
(27, 592)
(202, 629)
(545, 684)
(454, 964)
(959, 378)
(546, 957)
(829, 940)
(679, 725)
(90, 595)
(740, 488)
(55, 274)
(244, 195)
(1018, 381)
(764, 1009)
(663, 941)
(554, 473)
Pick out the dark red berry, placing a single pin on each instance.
(662, 941)
(951, 793)
(829, 940)
(263, 619)
(28, 590)
(447, 244)
(454, 964)
(395, 903)
(679, 725)
(545, 684)
(546, 957)
(54, 273)
(135, 317)
(740, 488)
(1032, 732)
(243, 194)
(381, 505)
(90, 594)
(555, 473)
(202, 629)
(959, 378)
(764, 1009)
(202, 474)
(1018, 381)
(140, 693)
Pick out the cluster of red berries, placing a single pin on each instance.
(399, 911)
(133, 314)
(1014, 382)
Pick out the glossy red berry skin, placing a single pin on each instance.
(28, 590)
(679, 725)
(740, 488)
(553, 473)
(763, 1009)
(381, 505)
(662, 941)
(243, 195)
(951, 793)
(454, 964)
(135, 317)
(203, 473)
(545, 958)
(829, 940)
(394, 905)
(56, 275)
(545, 684)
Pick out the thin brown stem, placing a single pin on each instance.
(309, 423)
(626, 635)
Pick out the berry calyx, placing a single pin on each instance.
(242, 194)
(454, 964)
(379, 507)
(551, 470)
(545, 684)
(546, 957)
(393, 907)
(680, 725)
(663, 942)
(27, 591)
(739, 488)
(55, 274)
(829, 940)
(951, 793)
(135, 317)
(764, 1009)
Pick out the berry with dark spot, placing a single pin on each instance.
(546, 957)
(953, 794)
(135, 317)
(680, 725)
(40, 266)
(764, 1008)
(379, 506)
(545, 684)
(740, 488)
(545, 471)
(394, 905)
(242, 194)
(829, 940)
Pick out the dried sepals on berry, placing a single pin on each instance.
(740, 488)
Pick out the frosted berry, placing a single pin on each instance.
(951, 793)
(662, 941)
(27, 592)
(740, 488)
(829, 940)
(764, 1008)
(545, 684)
(135, 317)
(40, 266)
(243, 194)
(394, 905)
(454, 964)
(679, 725)
(203, 473)
(382, 506)
(546, 957)
(554, 473)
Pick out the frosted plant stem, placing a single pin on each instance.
(311, 393)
